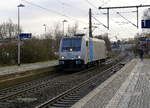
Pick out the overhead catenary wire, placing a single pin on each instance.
(124, 12)
(91, 4)
(68, 5)
(59, 1)
(104, 3)
(121, 16)
(53, 11)
(126, 19)
(114, 21)
(143, 1)
(50, 10)
(99, 22)
(128, 12)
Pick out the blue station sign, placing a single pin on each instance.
(25, 35)
(145, 23)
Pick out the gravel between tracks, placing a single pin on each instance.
(53, 88)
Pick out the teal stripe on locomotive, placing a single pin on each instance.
(91, 50)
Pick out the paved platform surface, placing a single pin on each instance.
(128, 88)
(26, 67)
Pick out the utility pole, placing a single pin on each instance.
(108, 18)
(90, 23)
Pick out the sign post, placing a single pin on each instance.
(22, 35)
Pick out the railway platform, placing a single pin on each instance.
(26, 67)
(128, 88)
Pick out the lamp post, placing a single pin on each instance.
(20, 5)
(63, 26)
(45, 29)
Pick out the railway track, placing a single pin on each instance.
(14, 92)
(71, 96)
(21, 88)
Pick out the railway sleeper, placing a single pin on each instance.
(117, 69)
(68, 100)
(74, 96)
(64, 102)
(61, 105)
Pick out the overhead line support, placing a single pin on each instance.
(120, 7)
(124, 7)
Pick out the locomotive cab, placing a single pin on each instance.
(70, 52)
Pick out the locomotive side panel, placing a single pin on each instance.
(97, 50)
(86, 51)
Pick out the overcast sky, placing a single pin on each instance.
(50, 12)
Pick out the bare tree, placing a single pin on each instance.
(58, 34)
(106, 39)
(73, 29)
(8, 30)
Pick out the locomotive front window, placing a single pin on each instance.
(71, 44)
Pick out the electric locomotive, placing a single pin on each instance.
(78, 51)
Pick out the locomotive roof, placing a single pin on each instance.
(86, 38)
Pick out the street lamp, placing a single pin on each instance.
(45, 29)
(63, 26)
(20, 5)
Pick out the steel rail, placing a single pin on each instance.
(33, 87)
(77, 87)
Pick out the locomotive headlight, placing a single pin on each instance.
(70, 49)
(62, 57)
(79, 57)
